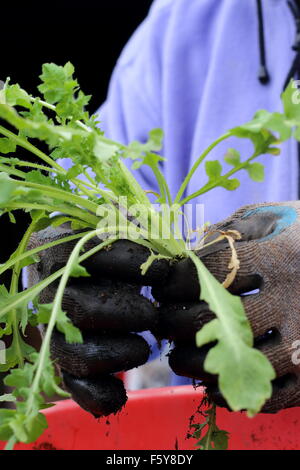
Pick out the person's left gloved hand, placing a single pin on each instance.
(108, 309)
(269, 255)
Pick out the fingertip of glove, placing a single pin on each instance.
(100, 396)
(188, 361)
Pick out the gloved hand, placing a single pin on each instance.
(108, 308)
(269, 254)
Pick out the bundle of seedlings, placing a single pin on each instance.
(87, 195)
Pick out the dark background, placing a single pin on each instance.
(90, 34)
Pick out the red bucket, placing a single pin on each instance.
(158, 419)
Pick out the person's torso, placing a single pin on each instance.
(209, 68)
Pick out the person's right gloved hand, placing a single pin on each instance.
(269, 255)
(108, 308)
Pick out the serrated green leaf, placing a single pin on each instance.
(69, 69)
(138, 149)
(63, 323)
(35, 426)
(20, 378)
(256, 171)
(220, 439)
(13, 352)
(217, 440)
(230, 184)
(8, 185)
(150, 159)
(245, 374)
(74, 171)
(258, 130)
(57, 80)
(71, 332)
(7, 145)
(50, 383)
(17, 424)
(264, 120)
(155, 139)
(15, 95)
(28, 428)
(214, 438)
(238, 366)
(213, 169)
(41, 220)
(12, 218)
(232, 157)
(5, 417)
(103, 151)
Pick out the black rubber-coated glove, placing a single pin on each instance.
(108, 308)
(269, 255)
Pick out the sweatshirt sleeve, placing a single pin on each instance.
(133, 104)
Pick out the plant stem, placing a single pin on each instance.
(92, 206)
(79, 123)
(30, 165)
(196, 164)
(8, 167)
(211, 427)
(209, 186)
(158, 224)
(12, 171)
(11, 443)
(36, 250)
(89, 178)
(163, 186)
(53, 108)
(77, 213)
(31, 148)
(62, 195)
(14, 289)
